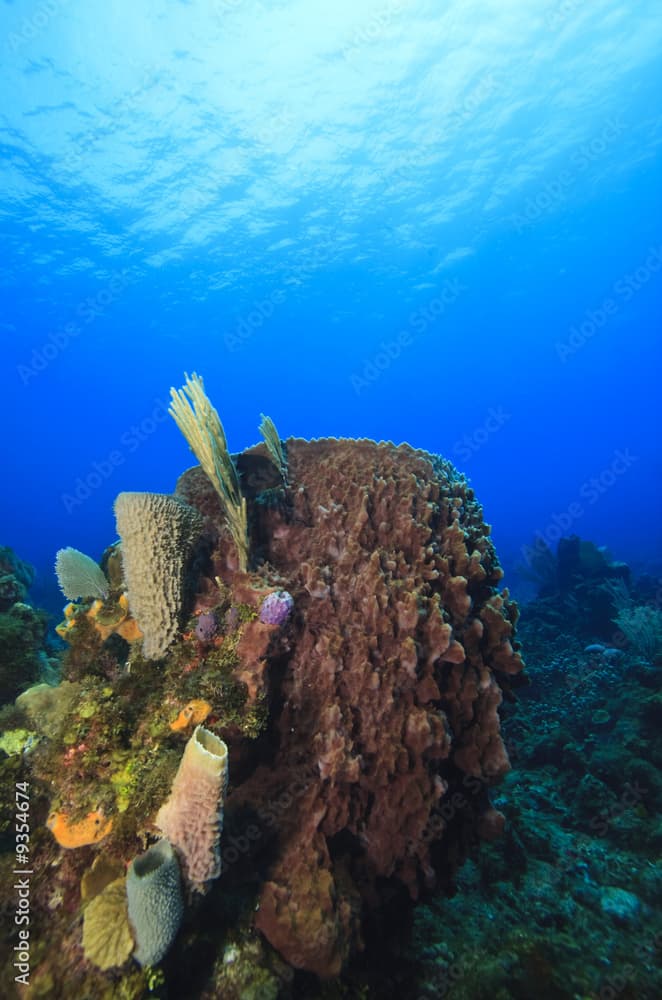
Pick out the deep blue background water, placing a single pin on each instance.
(375, 221)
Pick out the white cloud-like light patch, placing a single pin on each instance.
(290, 124)
(454, 255)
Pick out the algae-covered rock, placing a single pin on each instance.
(16, 577)
(621, 905)
(22, 635)
(47, 707)
(246, 971)
(107, 940)
(15, 741)
(11, 591)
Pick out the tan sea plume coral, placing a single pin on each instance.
(201, 425)
(158, 533)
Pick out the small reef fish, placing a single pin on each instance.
(195, 712)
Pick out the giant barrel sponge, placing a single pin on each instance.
(385, 702)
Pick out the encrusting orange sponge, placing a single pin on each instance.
(194, 713)
(86, 831)
(107, 619)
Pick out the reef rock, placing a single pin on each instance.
(16, 578)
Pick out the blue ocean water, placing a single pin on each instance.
(401, 220)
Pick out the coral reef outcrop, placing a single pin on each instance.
(16, 578)
(351, 676)
(23, 644)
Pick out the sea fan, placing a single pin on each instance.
(642, 627)
(79, 576)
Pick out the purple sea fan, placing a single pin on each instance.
(207, 627)
(276, 608)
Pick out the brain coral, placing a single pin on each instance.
(385, 723)
(158, 533)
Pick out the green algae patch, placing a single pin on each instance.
(15, 741)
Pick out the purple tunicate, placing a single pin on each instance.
(276, 608)
(207, 627)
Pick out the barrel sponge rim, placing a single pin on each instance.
(157, 855)
(210, 751)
